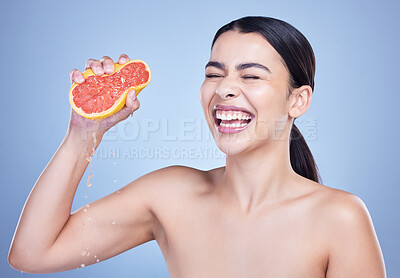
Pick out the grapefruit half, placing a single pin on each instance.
(101, 96)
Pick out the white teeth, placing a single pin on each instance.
(233, 125)
(232, 116)
(243, 117)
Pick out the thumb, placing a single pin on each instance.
(131, 100)
(132, 103)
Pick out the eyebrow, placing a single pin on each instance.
(238, 67)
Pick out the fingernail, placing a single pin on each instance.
(133, 96)
(80, 79)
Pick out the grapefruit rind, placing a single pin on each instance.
(120, 103)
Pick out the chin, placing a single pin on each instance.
(232, 145)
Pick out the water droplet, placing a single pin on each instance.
(95, 256)
(97, 260)
(84, 253)
(88, 253)
(84, 210)
(115, 181)
(113, 154)
(87, 206)
(117, 191)
(89, 218)
(82, 265)
(115, 162)
(88, 180)
(22, 272)
(113, 222)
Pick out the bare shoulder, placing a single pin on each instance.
(173, 181)
(177, 175)
(332, 198)
(331, 204)
(350, 237)
(342, 207)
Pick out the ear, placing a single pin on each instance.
(299, 101)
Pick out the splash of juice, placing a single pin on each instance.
(93, 152)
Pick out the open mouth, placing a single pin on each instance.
(231, 119)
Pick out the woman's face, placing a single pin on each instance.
(244, 94)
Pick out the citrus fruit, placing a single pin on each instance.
(101, 96)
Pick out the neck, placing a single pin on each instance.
(259, 176)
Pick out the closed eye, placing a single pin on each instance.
(250, 77)
(212, 75)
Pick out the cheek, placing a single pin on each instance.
(206, 94)
(269, 101)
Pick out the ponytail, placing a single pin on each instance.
(301, 158)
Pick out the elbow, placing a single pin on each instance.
(14, 262)
(22, 263)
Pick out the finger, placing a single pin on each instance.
(123, 59)
(97, 68)
(89, 63)
(76, 76)
(132, 102)
(124, 113)
(108, 64)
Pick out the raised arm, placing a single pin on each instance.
(48, 237)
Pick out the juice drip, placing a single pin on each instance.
(114, 163)
(89, 184)
(93, 135)
(93, 152)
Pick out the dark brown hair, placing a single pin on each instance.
(299, 60)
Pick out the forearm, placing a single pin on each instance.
(48, 206)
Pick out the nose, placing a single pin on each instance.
(227, 89)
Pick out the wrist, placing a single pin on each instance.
(83, 139)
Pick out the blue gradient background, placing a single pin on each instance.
(354, 105)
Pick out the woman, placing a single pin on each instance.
(262, 215)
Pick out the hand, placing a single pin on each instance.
(104, 66)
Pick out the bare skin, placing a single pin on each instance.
(253, 218)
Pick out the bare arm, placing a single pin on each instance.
(354, 246)
(48, 237)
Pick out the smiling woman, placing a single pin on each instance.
(264, 214)
(296, 55)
